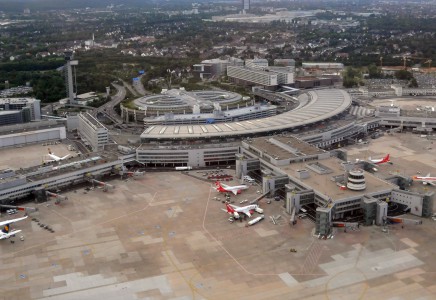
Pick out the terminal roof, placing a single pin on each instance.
(321, 105)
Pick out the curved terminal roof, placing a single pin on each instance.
(317, 105)
(181, 99)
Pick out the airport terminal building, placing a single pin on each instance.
(199, 145)
(329, 188)
(280, 151)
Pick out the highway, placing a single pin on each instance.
(107, 109)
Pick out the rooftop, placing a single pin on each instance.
(17, 100)
(284, 146)
(321, 105)
(324, 184)
(92, 120)
(180, 98)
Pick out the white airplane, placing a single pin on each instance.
(247, 210)
(222, 188)
(379, 161)
(425, 179)
(54, 157)
(135, 174)
(6, 231)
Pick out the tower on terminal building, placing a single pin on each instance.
(70, 82)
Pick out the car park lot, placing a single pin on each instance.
(163, 236)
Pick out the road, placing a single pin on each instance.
(139, 87)
(107, 109)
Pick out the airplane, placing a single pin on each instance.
(135, 174)
(425, 179)
(379, 161)
(54, 157)
(222, 188)
(5, 233)
(247, 210)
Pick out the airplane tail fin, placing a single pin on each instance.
(6, 229)
(387, 158)
(230, 209)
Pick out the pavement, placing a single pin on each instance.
(163, 236)
(31, 155)
(410, 155)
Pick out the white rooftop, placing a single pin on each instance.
(320, 105)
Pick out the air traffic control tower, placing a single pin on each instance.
(69, 83)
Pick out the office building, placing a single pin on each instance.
(93, 132)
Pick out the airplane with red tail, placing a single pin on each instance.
(248, 210)
(222, 188)
(379, 161)
(425, 179)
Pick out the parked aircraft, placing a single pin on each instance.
(222, 188)
(55, 157)
(425, 179)
(379, 161)
(135, 174)
(6, 231)
(247, 210)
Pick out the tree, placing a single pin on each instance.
(352, 77)
(413, 83)
(374, 71)
(403, 75)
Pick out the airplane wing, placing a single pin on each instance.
(6, 235)
(12, 221)
(65, 156)
(247, 212)
(235, 192)
(432, 183)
